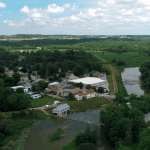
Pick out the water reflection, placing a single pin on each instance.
(42, 130)
(131, 80)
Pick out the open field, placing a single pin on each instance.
(87, 104)
(42, 101)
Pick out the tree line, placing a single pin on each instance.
(125, 126)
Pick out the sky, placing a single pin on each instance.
(75, 17)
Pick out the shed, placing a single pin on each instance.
(61, 110)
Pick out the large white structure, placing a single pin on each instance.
(90, 80)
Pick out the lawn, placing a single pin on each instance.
(42, 101)
(87, 104)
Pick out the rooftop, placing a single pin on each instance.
(93, 71)
(89, 91)
(70, 87)
(61, 107)
(88, 80)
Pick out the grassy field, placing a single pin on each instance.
(42, 101)
(87, 104)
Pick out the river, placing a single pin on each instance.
(132, 82)
(41, 131)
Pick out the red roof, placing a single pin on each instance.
(89, 91)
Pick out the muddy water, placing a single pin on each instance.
(42, 130)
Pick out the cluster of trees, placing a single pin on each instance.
(99, 90)
(127, 125)
(13, 101)
(40, 86)
(145, 73)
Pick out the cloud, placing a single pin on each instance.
(66, 5)
(74, 8)
(17, 23)
(55, 9)
(25, 9)
(2, 5)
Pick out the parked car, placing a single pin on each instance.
(34, 96)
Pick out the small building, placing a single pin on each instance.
(80, 96)
(73, 77)
(21, 51)
(95, 73)
(38, 47)
(28, 86)
(68, 73)
(48, 105)
(24, 77)
(65, 93)
(53, 83)
(61, 110)
(9, 73)
(19, 67)
(55, 89)
(90, 93)
(56, 102)
(73, 89)
(103, 74)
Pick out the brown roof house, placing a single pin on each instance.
(72, 89)
(9, 73)
(56, 89)
(80, 96)
(95, 73)
(90, 93)
(24, 77)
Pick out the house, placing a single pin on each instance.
(28, 86)
(89, 93)
(56, 102)
(73, 89)
(73, 77)
(68, 73)
(65, 93)
(53, 84)
(103, 74)
(95, 73)
(38, 47)
(24, 77)
(61, 110)
(19, 67)
(55, 89)
(9, 73)
(80, 96)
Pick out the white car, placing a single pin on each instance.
(35, 97)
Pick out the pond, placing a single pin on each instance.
(42, 130)
(132, 82)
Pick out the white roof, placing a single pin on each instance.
(14, 87)
(53, 83)
(88, 80)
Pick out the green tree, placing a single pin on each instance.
(144, 143)
(124, 148)
(114, 60)
(42, 85)
(132, 97)
(88, 86)
(16, 76)
(128, 134)
(86, 146)
(87, 129)
(70, 97)
(33, 88)
(78, 70)
(16, 102)
(94, 88)
(100, 90)
(19, 90)
(119, 98)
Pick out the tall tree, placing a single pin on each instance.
(16, 76)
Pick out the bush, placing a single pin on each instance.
(14, 115)
(86, 146)
(22, 113)
(52, 116)
(8, 131)
(30, 112)
(2, 137)
(55, 136)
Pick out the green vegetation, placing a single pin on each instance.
(88, 104)
(42, 101)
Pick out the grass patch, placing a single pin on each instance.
(40, 114)
(42, 101)
(87, 104)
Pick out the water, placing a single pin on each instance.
(42, 130)
(131, 81)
